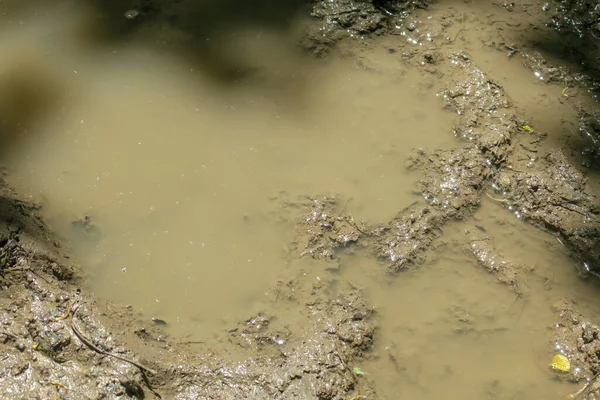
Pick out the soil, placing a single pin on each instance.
(58, 342)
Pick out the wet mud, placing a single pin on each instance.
(58, 342)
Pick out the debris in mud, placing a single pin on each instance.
(42, 355)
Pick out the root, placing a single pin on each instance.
(59, 385)
(92, 346)
(64, 316)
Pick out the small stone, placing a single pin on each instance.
(20, 346)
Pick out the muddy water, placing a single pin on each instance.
(183, 178)
(452, 325)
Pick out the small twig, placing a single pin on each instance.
(584, 389)
(192, 342)
(59, 384)
(97, 349)
(456, 36)
(8, 335)
(495, 199)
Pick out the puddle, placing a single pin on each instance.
(182, 177)
(169, 186)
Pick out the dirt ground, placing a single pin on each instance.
(59, 342)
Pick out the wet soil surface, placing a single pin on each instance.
(58, 342)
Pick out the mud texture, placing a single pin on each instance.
(499, 154)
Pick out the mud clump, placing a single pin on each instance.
(487, 117)
(408, 238)
(348, 18)
(323, 229)
(451, 186)
(453, 179)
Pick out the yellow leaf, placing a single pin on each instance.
(560, 363)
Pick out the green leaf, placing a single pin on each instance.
(527, 128)
(358, 371)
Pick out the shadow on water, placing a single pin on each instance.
(27, 95)
(201, 30)
(211, 36)
(579, 57)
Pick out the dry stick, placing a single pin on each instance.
(92, 346)
(55, 383)
(495, 199)
(584, 389)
